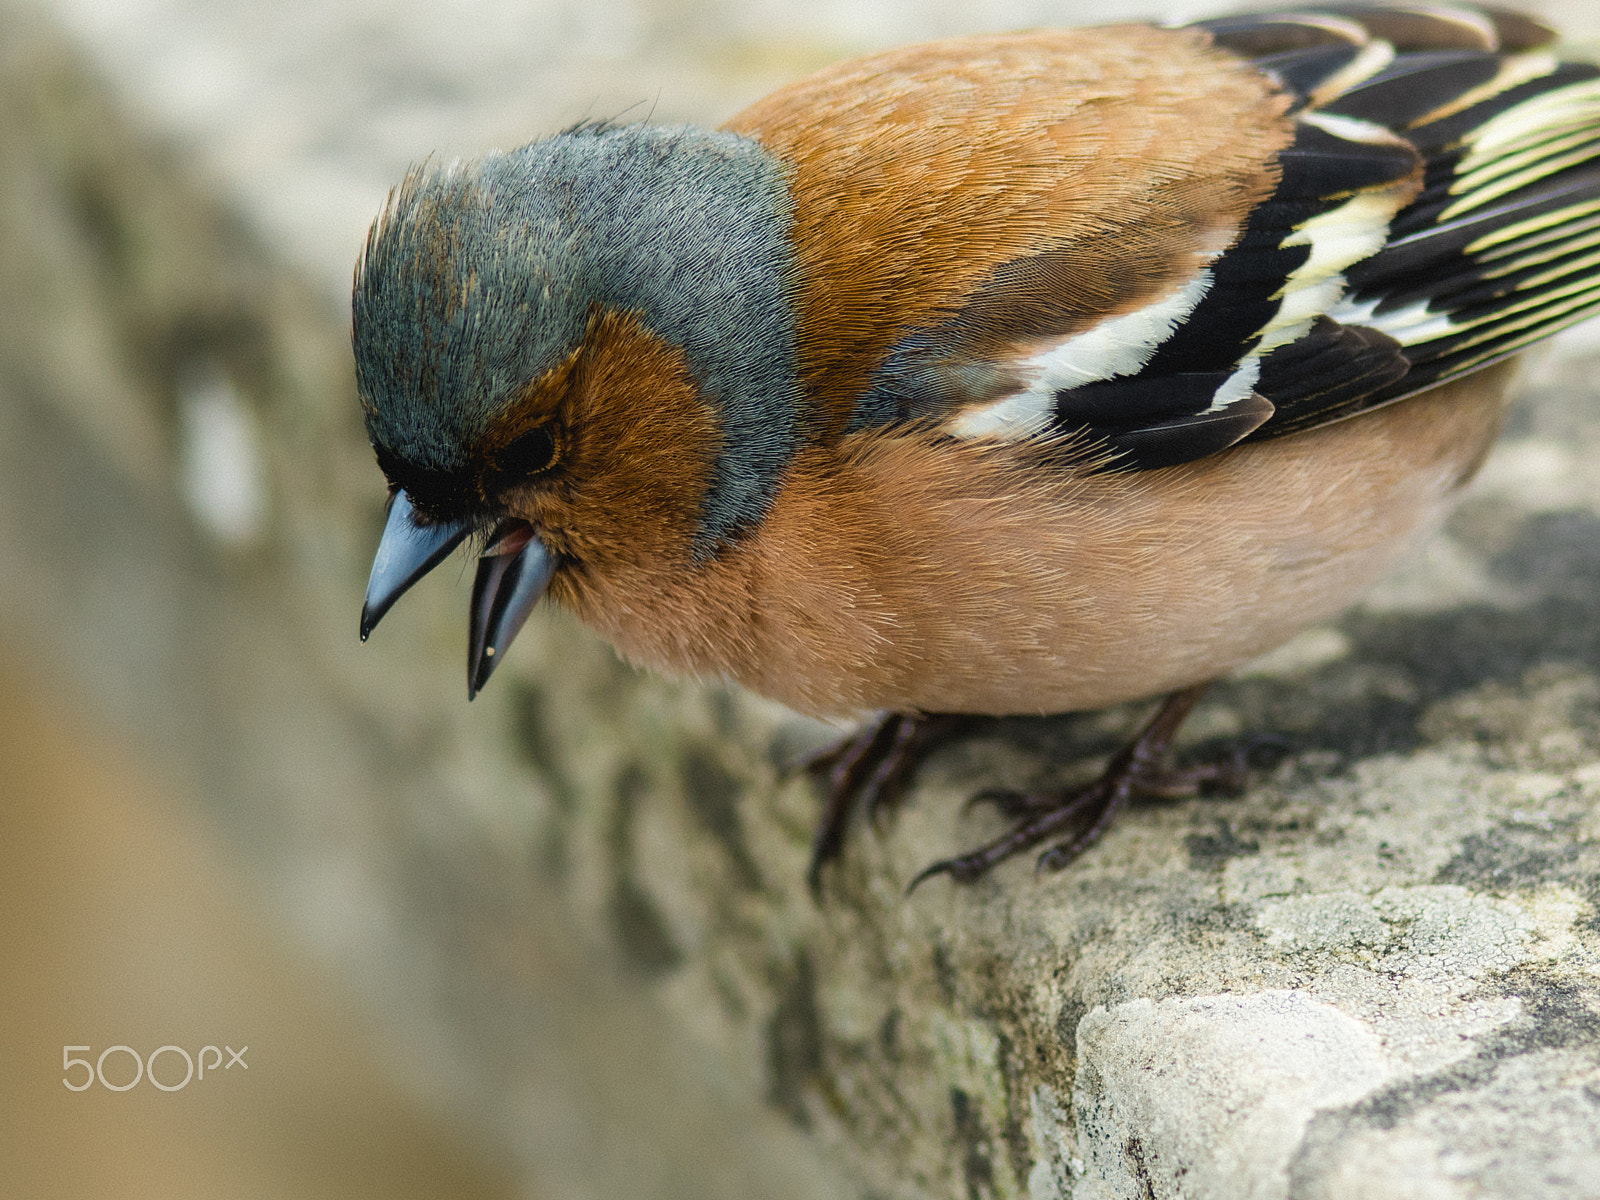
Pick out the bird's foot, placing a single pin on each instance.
(1084, 814)
(871, 768)
(1226, 774)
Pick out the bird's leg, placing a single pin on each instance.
(1085, 813)
(842, 767)
(871, 767)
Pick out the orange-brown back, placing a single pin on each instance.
(918, 172)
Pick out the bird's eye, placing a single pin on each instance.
(527, 454)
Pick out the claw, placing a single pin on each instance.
(1087, 812)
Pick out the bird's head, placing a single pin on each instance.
(581, 351)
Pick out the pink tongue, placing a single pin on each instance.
(510, 537)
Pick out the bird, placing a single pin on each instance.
(1008, 374)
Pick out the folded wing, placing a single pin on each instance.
(1437, 209)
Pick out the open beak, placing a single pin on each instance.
(512, 575)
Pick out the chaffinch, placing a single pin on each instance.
(1018, 374)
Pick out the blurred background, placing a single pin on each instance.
(221, 822)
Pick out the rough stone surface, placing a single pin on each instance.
(1211, 1095)
(580, 907)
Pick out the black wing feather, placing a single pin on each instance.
(1329, 373)
(1304, 71)
(1421, 29)
(1414, 86)
(1257, 36)
(1184, 439)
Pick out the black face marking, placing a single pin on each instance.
(478, 279)
(437, 496)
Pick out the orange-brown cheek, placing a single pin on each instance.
(641, 445)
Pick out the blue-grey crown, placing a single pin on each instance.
(479, 277)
